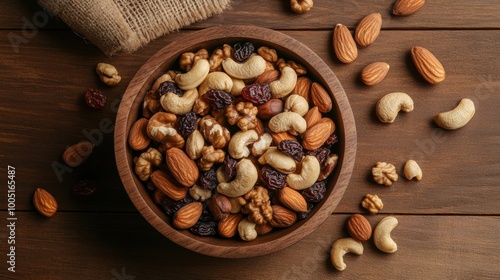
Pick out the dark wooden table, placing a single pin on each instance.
(449, 221)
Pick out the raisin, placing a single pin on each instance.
(303, 215)
(85, 187)
(321, 154)
(315, 193)
(332, 140)
(95, 99)
(291, 148)
(230, 167)
(243, 50)
(204, 228)
(208, 179)
(187, 124)
(258, 94)
(273, 179)
(169, 86)
(171, 206)
(218, 99)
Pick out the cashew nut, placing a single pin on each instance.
(246, 177)
(309, 174)
(238, 85)
(179, 105)
(296, 103)
(412, 170)
(342, 247)
(246, 229)
(239, 142)
(389, 106)
(216, 80)
(194, 144)
(382, 235)
(195, 76)
(250, 69)
(285, 84)
(457, 117)
(221, 175)
(278, 160)
(288, 121)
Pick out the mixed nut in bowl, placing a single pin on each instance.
(235, 141)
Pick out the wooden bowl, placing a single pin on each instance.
(287, 47)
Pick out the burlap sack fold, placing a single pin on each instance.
(126, 25)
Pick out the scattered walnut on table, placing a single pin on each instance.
(372, 203)
(384, 173)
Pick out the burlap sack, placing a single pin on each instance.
(126, 25)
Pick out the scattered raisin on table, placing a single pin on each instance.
(291, 148)
(315, 193)
(243, 50)
(85, 187)
(95, 99)
(273, 179)
(218, 99)
(169, 86)
(258, 94)
(321, 154)
(208, 179)
(230, 167)
(187, 124)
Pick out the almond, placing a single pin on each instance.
(368, 29)
(78, 153)
(321, 98)
(428, 65)
(227, 228)
(280, 136)
(317, 135)
(312, 117)
(374, 73)
(407, 7)
(44, 202)
(167, 185)
(343, 44)
(270, 109)
(183, 168)
(263, 229)
(359, 227)
(292, 199)
(268, 77)
(303, 88)
(138, 137)
(188, 215)
(282, 217)
(158, 196)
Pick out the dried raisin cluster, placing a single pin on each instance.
(232, 120)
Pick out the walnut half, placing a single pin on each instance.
(384, 173)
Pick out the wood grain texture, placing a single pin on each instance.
(449, 221)
(96, 245)
(444, 14)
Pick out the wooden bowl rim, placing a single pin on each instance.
(144, 77)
